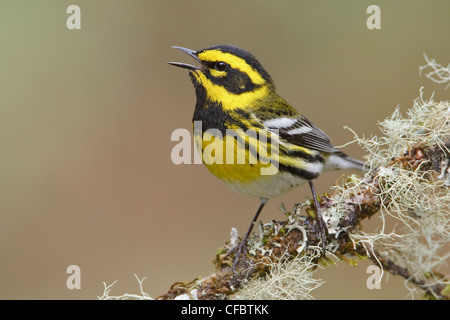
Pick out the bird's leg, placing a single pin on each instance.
(241, 247)
(321, 229)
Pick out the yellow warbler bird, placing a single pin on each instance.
(262, 146)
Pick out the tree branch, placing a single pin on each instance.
(408, 181)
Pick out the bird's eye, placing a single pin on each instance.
(220, 66)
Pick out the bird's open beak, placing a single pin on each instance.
(190, 52)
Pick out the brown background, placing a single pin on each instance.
(86, 117)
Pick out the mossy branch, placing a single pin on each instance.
(407, 182)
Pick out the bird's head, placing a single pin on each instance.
(227, 74)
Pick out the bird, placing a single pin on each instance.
(239, 112)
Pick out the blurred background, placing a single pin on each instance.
(86, 117)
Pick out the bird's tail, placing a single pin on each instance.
(340, 160)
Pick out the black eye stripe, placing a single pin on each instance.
(234, 81)
(210, 64)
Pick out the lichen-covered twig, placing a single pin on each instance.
(407, 184)
(436, 72)
(407, 181)
(126, 296)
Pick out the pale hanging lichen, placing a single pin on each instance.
(290, 279)
(436, 72)
(410, 166)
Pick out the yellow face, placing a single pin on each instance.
(232, 77)
(229, 75)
